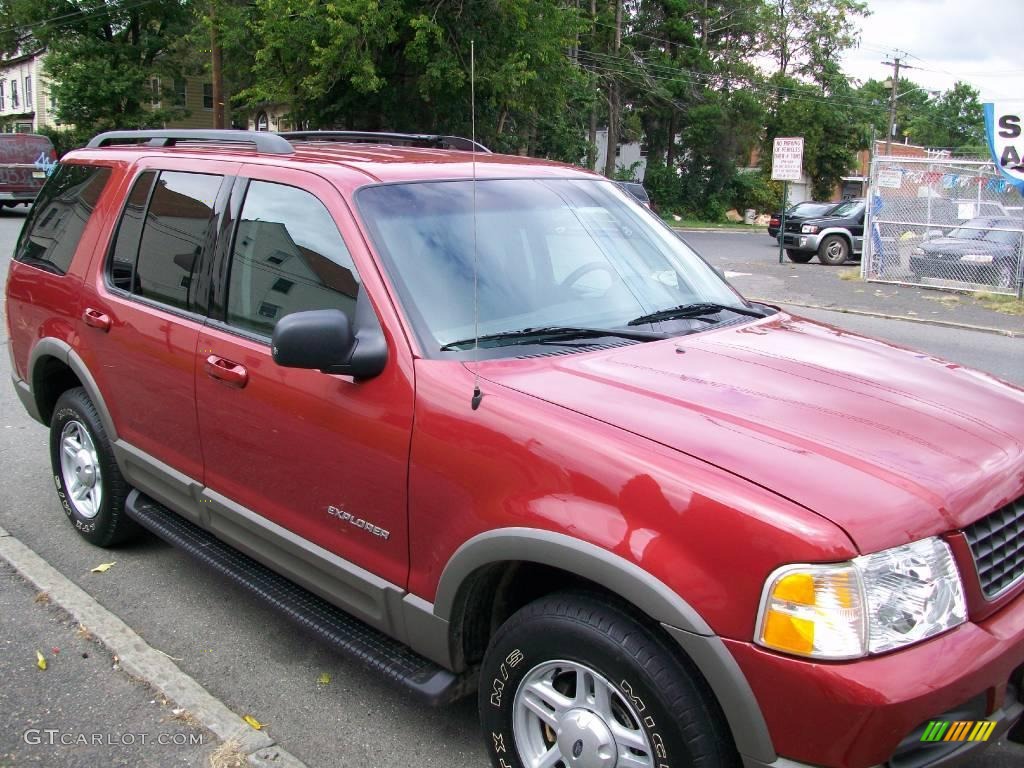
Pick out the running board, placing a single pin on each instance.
(431, 683)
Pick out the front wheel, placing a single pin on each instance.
(89, 483)
(573, 681)
(798, 257)
(834, 251)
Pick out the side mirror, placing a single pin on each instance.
(323, 339)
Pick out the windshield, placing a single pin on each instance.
(981, 229)
(550, 252)
(848, 208)
(811, 209)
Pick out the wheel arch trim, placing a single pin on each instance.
(841, 231)
(61, 350)
(649, 594)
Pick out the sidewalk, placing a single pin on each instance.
(751, 264)
(81, 710)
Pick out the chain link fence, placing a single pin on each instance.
(943, 223)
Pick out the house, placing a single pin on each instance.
(26, 104)
(25, 101)
(856, 185)
(192, 93)
(628, 156)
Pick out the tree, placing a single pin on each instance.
(911, 101)
(955, 120)
(805, 37)
(105, 57)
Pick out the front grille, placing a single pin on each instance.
(997, 543)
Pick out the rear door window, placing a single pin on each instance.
(125, 251)
(58, 218)
(174, 236)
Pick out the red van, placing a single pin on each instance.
(26, 159)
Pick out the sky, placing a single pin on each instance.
(978, 41)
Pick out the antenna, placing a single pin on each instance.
(477, 394)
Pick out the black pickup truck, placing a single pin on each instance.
(834, 237)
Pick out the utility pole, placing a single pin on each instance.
(895, 64)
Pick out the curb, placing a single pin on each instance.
(141, 660)
(922, 320)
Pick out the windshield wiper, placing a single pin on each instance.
(545, 334)
(693, 310)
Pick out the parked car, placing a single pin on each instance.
(25, 159)
(484, 423)
(833, 237)
(798, 212)
(984, 251)
(636, 189)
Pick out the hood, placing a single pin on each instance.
(889, 444)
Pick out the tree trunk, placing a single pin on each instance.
(217, 72)
(592, 136)
(671, 154)
(613, 101)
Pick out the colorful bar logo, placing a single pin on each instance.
(961, 730)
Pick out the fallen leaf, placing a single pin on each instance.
(40, 660)
(324, 679)
(103, 567)
(256, 724)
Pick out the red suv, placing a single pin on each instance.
(531, 444)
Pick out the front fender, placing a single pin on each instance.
(652, 596)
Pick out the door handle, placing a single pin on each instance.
(227, 371)
(96, 319)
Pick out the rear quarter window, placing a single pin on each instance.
(63, 208)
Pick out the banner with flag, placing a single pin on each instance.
(1004, 129)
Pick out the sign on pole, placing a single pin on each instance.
(788, 159)
(787, 166)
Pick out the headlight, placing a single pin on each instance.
(977, 258)
(809, 229)
(871, 604)
(917, 252)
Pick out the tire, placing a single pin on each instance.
(583, 642)
(798, 257)
(89, 484)
(834, 251)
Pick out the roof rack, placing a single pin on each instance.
(433, 140)
(271, 143)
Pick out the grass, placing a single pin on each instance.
(228, 755)
(850, 274)
(1008, 305)
(689, 223)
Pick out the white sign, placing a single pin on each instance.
(890, 177)
(788, 159)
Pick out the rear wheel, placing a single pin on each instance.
(798, 257)
(576, 681)
(834, 251)
(89, 484)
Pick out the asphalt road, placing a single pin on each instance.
(752, 261)
(242, 651)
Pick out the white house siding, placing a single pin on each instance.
(26, 117)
